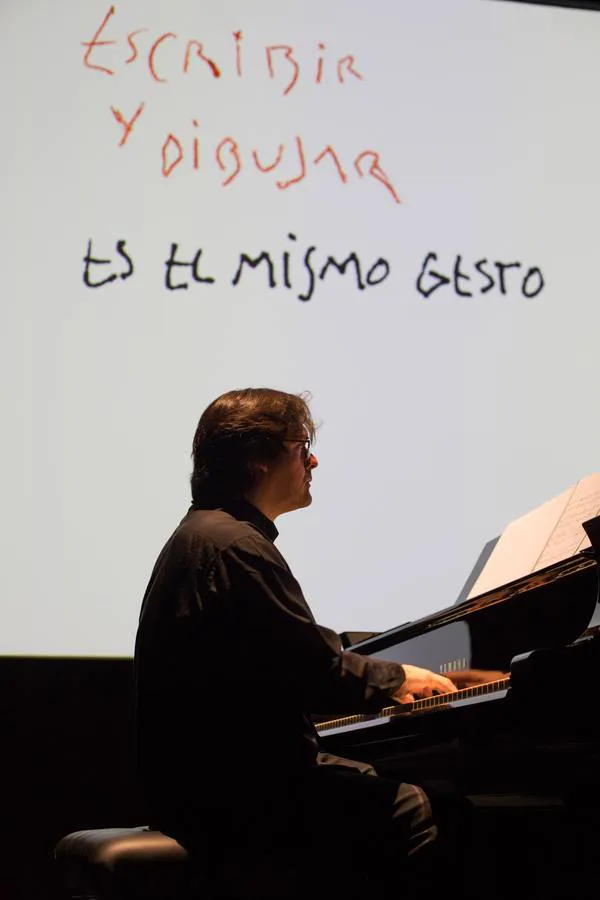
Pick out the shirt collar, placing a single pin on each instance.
(242, 509)
(247, 512)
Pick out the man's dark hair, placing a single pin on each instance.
(239, 428)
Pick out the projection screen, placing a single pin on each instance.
(392, 206)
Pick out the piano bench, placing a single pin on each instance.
(141, 864)
(123, 864)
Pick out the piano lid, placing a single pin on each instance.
(534, 586)
(549, 608)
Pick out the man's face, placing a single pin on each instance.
(287, 481)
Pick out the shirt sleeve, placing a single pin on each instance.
(287, 644)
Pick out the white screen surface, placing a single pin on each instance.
(443, 417)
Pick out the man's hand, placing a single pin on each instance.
(422, 683)
(465, 678)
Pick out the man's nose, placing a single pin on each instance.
(313, 462)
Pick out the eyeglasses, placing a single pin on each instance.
(306, 452)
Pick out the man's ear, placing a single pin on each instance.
(257, 470)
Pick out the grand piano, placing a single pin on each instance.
(520, 739)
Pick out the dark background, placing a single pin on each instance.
(67, 761)
(68, 764)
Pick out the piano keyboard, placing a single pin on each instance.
(438, 701)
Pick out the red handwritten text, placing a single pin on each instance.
(167, 54)
(232, 160)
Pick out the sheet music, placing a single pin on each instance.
(546, 535)
(568, 536)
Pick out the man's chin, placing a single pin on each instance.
(302, 502)
(306, 500)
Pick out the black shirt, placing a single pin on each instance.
(230, 662)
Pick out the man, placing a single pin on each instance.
(230, 664)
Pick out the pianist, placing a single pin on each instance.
(230, 664)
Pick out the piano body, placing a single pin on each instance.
(521, 741)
